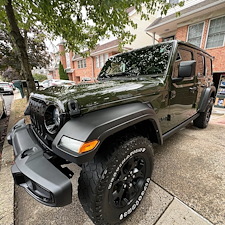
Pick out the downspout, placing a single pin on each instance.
(153, 37)
(93, 69)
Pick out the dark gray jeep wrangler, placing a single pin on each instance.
(108, 127)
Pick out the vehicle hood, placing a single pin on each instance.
(103, 93)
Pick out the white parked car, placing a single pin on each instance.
(54, 82)
(6, 87)
(45, 83)
(62, 83)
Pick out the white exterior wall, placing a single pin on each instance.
(142, 39)
(187, 3)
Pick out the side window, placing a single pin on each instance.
(208, 66)
(186, 55)
(182, 55)
(200, 65)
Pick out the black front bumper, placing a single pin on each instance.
(41, 179)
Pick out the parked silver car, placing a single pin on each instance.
(3, 112)
(6, 87)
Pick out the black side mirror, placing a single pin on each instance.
(187, 69)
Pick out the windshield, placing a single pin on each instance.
(150, 60)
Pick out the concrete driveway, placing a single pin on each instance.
(188, 185)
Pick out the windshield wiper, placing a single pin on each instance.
(120, 74)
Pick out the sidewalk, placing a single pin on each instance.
(159, 207)
(6, 180)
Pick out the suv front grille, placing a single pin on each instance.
(37, 116)
(38, 110)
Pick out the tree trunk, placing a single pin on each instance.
(21, 46)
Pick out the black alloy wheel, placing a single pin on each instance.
(128, 182)
(204, 117)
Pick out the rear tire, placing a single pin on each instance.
(203, 119)
(111, 186)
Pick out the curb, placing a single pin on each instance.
(7, 182)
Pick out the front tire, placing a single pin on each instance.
(111, 186)
(203, 119)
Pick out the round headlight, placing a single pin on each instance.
(52, 119)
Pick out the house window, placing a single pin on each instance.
(168, 38)
(195, 34)
(97, 61)
(173, 1)
(216, 33)
(81, 63)
(106, 56)
(67, 60)
(101, 59)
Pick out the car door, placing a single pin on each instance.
(183, 93)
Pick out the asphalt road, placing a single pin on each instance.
(4, 122)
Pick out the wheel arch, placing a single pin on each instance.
(106, 124)
(206, 94)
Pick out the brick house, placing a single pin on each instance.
(200, 22)
(83, 69)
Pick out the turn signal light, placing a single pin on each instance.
(88, 146)
(71, 144)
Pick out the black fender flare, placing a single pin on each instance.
(102, 124)
(206, 94)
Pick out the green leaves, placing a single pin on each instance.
(82, 23)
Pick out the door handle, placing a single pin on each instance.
(193, 89)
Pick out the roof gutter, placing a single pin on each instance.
(187, 14)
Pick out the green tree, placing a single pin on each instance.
(39, 77)
(62, 73)
(9, 57)
(80, 23)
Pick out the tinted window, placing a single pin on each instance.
(183, 54)
(200, 65)
(208, 66)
